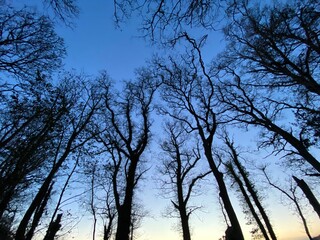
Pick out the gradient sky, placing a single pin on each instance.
(94, 45)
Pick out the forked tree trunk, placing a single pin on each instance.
(250, 188)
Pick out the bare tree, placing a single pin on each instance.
(28, 43)
(273, 59)
(293, 197)
(179, 171)
(237, 171)
(247, 106)
(55, 222)
(81, 109)
(110, 214)
(165, 20)
(33, 113)
(65, 10)
(125, 137)
(189, 95)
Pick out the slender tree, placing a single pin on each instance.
(56, 218)
(179, 169)
(293, 197)
(247, 188)
(72, 137)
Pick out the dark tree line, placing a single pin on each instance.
(68, 125)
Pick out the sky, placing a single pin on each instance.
(94, 44)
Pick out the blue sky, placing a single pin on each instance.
(94, 45)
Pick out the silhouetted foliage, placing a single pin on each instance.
(31, 116)
(83, 100)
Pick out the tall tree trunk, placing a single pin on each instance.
(248, 201)
(38, 213)
(181, 207)
(235, 232)
(185, 224)
(124, 222)
(20, 233)
(251, 189)
(309, 194)
(125, 210)
(258, 204)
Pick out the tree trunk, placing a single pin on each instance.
(53, 228)
(235, 232)
(124, 223)
(248, 201)
(20, 233)
(38, 213)
(251, 190)
(309, 194)
(5, 201)
(185, 225)
(125, 210)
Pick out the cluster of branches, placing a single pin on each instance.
(163, 20)
(270, 51)
(48, 130)
(268, 73)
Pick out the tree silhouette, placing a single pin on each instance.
(179, 169)
(231, 158)
(188, 92)
(125, 137)
(28, 43)
(272, 57)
